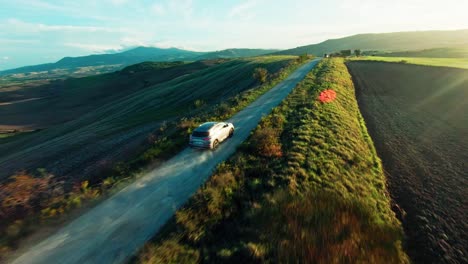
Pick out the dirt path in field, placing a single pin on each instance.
(117, 228)
(417, 118)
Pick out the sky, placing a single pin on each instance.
(42, 31)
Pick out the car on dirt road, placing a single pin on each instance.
(210, 134)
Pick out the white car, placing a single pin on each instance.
(210, 134)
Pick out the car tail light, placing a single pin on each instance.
(207, 138)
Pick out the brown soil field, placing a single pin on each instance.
(417, 118)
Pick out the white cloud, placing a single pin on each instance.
(158, 9)
(183, 8)
(118, 2)
(95, 48)
(243, 10)
(17, 41)
(24, 27)
(5, 58)
(132, 41)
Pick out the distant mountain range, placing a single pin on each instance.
(389, 42)
(137, 55)
(399, 41)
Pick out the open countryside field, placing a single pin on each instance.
(455, 52)
(417, 117)
(306, 187)
(90, 156)
(34, 106)
(123, 107)
(443, 62)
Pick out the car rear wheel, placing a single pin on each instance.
(215, 144)
(231, 132)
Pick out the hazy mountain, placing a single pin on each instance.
(137, 55)
(399, 41)
(128, 57)
(235, 53)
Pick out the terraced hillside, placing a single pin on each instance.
(29, 107)
(105, 114)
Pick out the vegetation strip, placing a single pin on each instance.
(440, 62)
(307, 186)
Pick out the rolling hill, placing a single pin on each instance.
(235, 53)
(398, 41)
(136, 55)
(87, 118)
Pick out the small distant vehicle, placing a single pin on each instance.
(210, 134)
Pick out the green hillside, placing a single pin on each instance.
(136, 55)
(115, 109)
(71, 98)
(235, 53)
(398, 41)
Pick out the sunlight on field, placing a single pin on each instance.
(444, 62)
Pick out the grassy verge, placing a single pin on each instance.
(29, 201)
(443, 62)
(306, 187)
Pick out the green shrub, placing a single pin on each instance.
(260, 74)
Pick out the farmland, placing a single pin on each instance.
(416, 115)
(147, 120)
(442, 62)
(311, 167)
(118, 107)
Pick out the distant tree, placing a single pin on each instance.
(357, 52)
(260, 74)
(345, 53)
(303, 57)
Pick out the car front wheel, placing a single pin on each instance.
(231, 132)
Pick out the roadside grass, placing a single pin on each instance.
(51, 198)
(306, 187)
(443, 62)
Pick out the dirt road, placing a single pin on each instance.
(114, 230)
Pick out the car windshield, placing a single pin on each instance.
(200, 134)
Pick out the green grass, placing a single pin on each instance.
(307, 187)
(456, 52)
(443, 62)
(5, 135)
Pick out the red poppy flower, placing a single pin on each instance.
(327, 96)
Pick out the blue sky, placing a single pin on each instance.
(40, 31)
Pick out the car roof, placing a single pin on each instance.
(205, 126)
